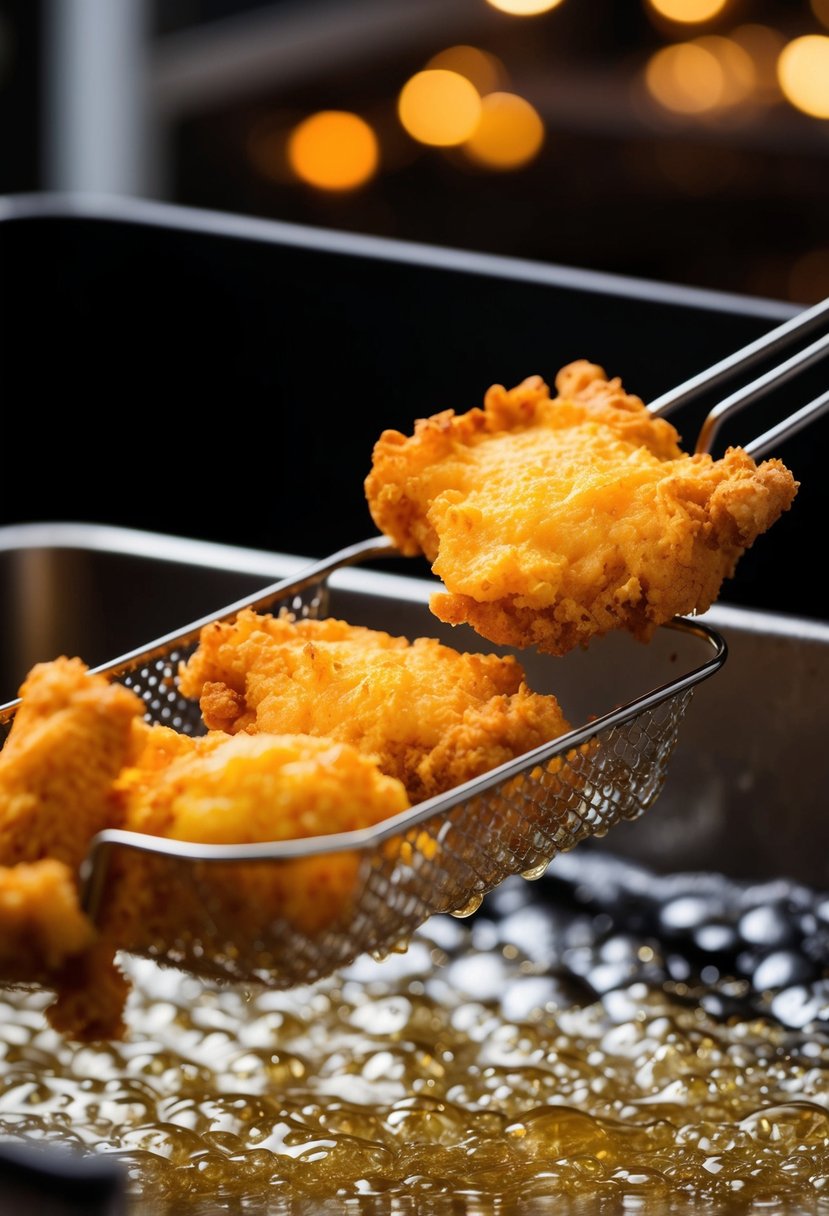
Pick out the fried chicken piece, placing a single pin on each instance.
(79, 758)
(431, 716)
(41, 923)
(222, 789)
(69, 740)
(243, 789)
(552, 522)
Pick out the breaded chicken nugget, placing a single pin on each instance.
(245, 789)
(553, 521)
(79, 759)
(431, 716)
(70, 738)
(41, 923)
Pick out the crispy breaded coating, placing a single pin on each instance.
(41, 923)
(431, 716)
(69, 740)
(553, 521)
(79, 759)
(248, 788)
(91, 995)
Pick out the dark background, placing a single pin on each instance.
(118, 340)
(199, 383)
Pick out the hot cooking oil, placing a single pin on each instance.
(568, 1045)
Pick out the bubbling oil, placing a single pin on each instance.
(500, 1064)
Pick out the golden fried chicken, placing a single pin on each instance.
(431, 716)
(41, 923)
(248, 788)
(552, 521)
(79, 759)
(70, 738)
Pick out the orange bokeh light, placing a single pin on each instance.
(686, 78)
(440, 108)
(739, 72)
(483, 70)
(509, 134)
(334, 150)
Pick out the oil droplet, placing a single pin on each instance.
(536, 872)
(472, 905)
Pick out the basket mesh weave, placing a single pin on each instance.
(229, 929)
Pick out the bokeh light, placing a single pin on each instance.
(509, 134)
(803, 72)
(481, 68)
(524, 8)
(688, 12)
(686, 78)
(439, 108)
(334, 150)
(739, 72)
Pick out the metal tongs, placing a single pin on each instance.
(445, 854)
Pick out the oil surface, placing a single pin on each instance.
(588, 1043)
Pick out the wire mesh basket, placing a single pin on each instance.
(441, 856)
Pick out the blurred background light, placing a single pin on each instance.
(688, 12)
(719, 177)
(803, 70)
(482, 69)
(524, 8)
(739, 76)
(334, 150)
(509, 133)
(440, 108)
(686, 78)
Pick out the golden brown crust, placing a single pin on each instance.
(91, 995)
(551, 521)
(118, 770)
(41, 923)
(432, 717)
(241, 789)
(70, 738)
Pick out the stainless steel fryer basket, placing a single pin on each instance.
(441, 856)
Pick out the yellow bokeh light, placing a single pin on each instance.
(524, 8)
(821, 10)
(334, 150)
(439, 108)
(686, 78)
(509, 134)
(480, 68)
(688, 12)
(803, 72)
(739, 73)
